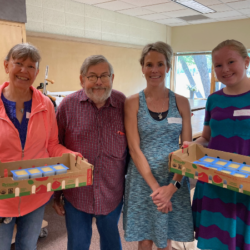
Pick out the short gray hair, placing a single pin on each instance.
(24, 51)
(160, 47)
(94, 60)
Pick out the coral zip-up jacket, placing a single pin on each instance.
(41, 142)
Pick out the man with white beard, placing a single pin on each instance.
(90, 121)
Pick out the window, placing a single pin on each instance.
(248, 70)
(167, 79)
(193, 74)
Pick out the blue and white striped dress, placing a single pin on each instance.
(142, 220)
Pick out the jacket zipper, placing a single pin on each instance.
(19, 205)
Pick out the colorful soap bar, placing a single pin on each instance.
(47, 171)
(244, 169)
(34, 172)
(208, 159)
(242, 175)
(220, 162)
(233, 165)
(20, 174)
(226, 171)
(60, 169)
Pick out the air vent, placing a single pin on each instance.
(193, 18)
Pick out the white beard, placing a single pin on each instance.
(99, 99)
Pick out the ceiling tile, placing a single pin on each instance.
(180, 13)
(245, 11)
(224, 14)
(170, 20)
(165, 7)
(203, 21)
(221, 7)
(145, 2)
(115, 5)
(91, 2)
(178, 24)
(154, 16)
(136, 11)
(208, 2)
(229, 1)
(240, 5)
(231, 18)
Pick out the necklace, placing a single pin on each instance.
(160, 114)
(21, 110)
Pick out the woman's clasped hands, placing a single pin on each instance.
(162, 196)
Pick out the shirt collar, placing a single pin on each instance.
(110, 101)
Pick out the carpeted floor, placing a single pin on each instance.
(57, 235)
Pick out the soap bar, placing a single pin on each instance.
(225, 171)
(208, 159)
(20, 174)
(221, 162)
(244, 168)
(60, 169)
(240, 175)
(233, 165)
(47, 171)
(34, 172)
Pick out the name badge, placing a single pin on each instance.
(27, 115)
(242, 112)
(175, 120)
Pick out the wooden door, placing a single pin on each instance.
(11, 33)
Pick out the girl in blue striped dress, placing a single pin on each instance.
(222, 216)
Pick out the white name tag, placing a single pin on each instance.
(175, 120)
(27, 115)
(242, 112)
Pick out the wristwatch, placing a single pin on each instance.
(177, 184)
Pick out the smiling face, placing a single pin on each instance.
(155, 68)
(230, 66)
(22, 73)
(100, 90)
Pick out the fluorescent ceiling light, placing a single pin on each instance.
(195, 6)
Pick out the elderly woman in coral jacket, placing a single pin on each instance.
(28, 131)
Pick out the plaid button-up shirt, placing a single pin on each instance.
(99, 135)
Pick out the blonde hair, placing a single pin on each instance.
(234, 45)
(160, 47)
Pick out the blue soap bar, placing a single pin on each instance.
(220, 163)
(34, 172)
(215, 167)
(208, 159)
(244, 169)
(20, 174)
(241, 175)
(47, 170)
(233, 165)
(60, 169)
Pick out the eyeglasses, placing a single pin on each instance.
(94, 78)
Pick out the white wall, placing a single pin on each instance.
(70, 18)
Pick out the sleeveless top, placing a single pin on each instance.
(142, 220)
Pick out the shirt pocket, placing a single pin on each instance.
(115, 141)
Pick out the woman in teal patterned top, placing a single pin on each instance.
(157, 203)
